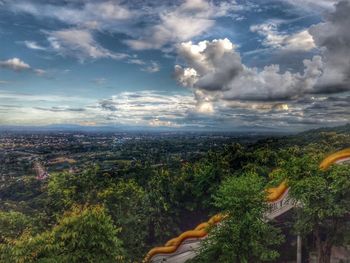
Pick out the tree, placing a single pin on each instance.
(160, 205)
(146, 214)
(12, 225)
(325, 202)
(125, 202)
(208, 174)
(66, 189)
(243, 236)
(84, 234)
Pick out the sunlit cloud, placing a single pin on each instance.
(14, 64)
(19, 65)
(147, 108)
(159, 109)
(299, 41)
(215, 71)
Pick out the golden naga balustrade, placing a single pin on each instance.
(273, 194)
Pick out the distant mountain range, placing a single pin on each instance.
(339, 129)
(140, 129)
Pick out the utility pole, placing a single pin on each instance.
(299, 249)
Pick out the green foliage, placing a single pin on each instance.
(244, 236)
(12, 225)
(167, 189)
(324, 198)
(84, 234)
(66, 188)
(24, 189)
(160, 203)
(323, 195)
(125, 203)
(146, 213)
(208, 174)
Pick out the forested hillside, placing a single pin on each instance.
(98, 216)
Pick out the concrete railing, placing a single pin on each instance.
(189, 248)
(280, 206)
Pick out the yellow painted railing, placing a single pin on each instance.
(273, 194)
(334, 158)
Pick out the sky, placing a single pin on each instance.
(235, 65)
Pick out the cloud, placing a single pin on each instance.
(186, 21)
(33, 45)
(228, 94)
(18, 65)
(147, 108)
(41, 109)
(152, 67)
(162, 25)
(39, 72)
(141, 108)
(215, 71)
(301, 40)
(294, 115)
(166, 22)
(100, 81)
(160, 123)
(85, 18)
(79, 43)
(136, 61)
(311, 5)
(205, 107)
(85, 13)
(14, 64)
(60, 109)
(333, 37)
(35, 98)
(156, 108)
(27, 115)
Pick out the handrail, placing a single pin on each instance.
(343, 155)
(171, 246)
(273, 195)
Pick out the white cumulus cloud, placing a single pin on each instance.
(214, 71)
(14, 64)
(301, 40)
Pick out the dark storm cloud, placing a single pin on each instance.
(334, 37)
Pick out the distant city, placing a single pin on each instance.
(22, 151)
